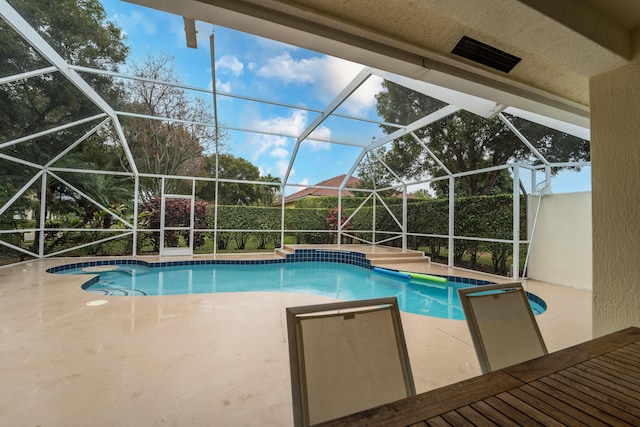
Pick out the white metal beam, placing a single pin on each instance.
(17, 248)
(353, 168)
(27, 75)
(430, 153)
(18, 193)
(474, 104)
(522, 138)
(52, 130)
(20, 161)
(22, 27)
(92, 200)
(418, 124)
(78, 142)
(515, 256)
(391, 171)
(337, 101)
(572, 129)
(226, 94)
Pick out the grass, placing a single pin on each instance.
(484, 261)
(250, 246)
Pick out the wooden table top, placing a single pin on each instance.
(595, 383)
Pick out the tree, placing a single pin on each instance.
(79, 32)
(373, 175)
(166, 147)
(464, 142)
(422, 194)
(232, 193)
(503, 184)
(268, 193)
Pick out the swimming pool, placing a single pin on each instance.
(331, 279)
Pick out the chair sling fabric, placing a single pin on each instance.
(346, 357)
(502, 325)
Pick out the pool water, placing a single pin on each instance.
(335, 280)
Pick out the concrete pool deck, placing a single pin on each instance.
(197, 360)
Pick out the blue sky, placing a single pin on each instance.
(266, 69)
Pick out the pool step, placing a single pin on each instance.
(376, 258)
(284, 251)
(399, 258)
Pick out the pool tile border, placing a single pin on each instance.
(300, 255)
(536, 299)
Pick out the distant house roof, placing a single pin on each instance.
(334, 182)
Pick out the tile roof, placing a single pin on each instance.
(319, 192)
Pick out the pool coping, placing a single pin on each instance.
(300, 255)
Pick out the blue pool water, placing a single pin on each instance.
(330, 279)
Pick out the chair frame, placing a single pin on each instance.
(478, 343)
(296, 358)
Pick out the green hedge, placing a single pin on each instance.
(484, 217)
(347, 202)
(246, 218)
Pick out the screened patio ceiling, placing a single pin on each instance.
(110, 117)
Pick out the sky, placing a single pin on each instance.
(260, 68)
(255, 67)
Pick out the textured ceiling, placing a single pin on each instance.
(562, 43)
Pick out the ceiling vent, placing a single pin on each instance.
(484, 54)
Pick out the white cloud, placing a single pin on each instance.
(279, 152)
(329, 74)
(274, 146)
(278, 148)
(364, 98)
(322, 133)
(134, 22)
(222, 86)
(338, 73)
(318, 145)
(283, 67)
(278, 168)
(293, 124)
(230, 63)
(282, 166)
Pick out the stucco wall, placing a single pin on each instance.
(561, 247)
(615, 156)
